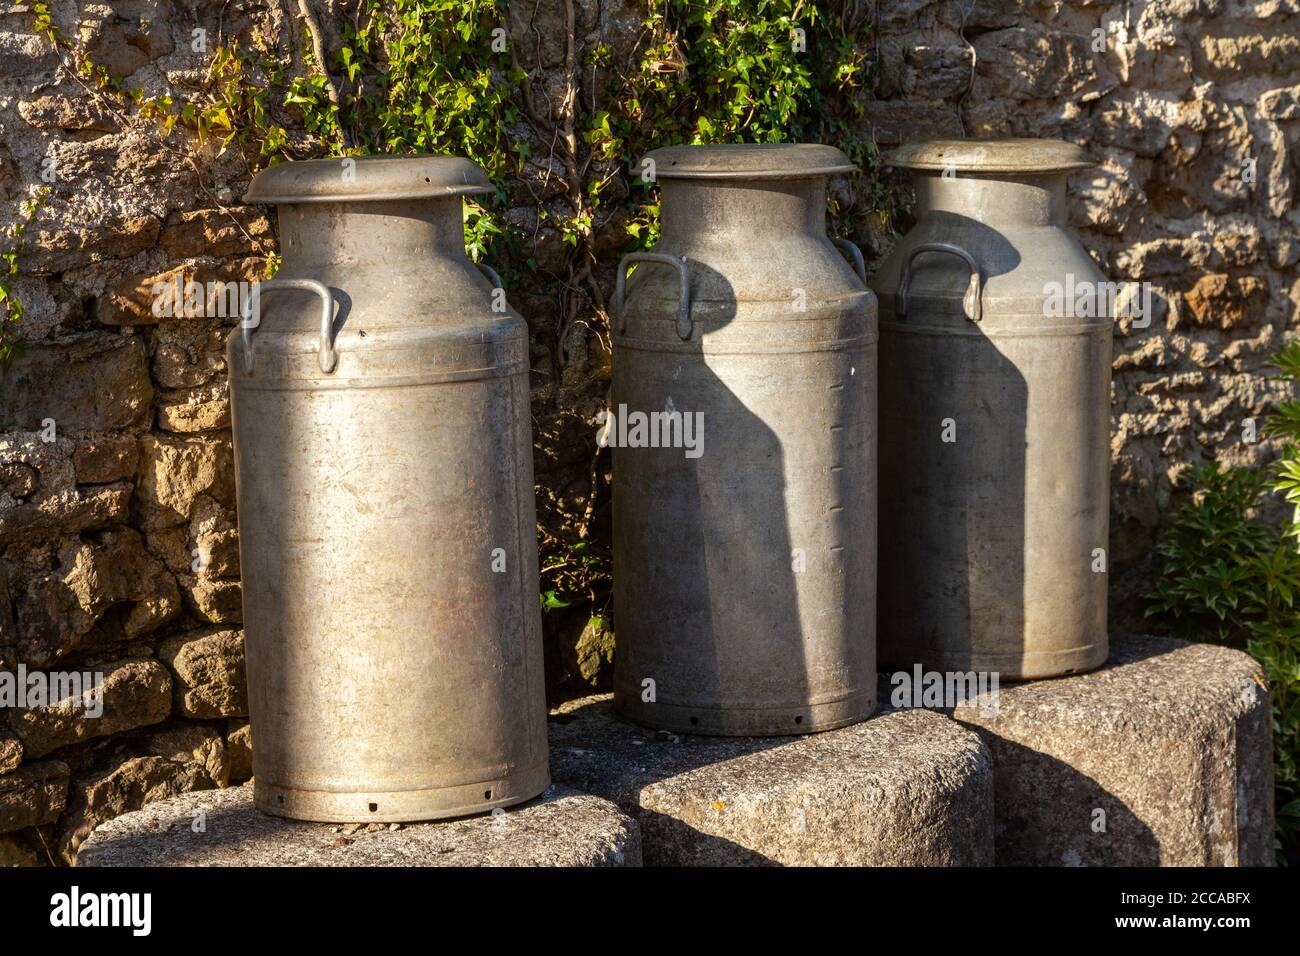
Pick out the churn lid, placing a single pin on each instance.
(991, 155)
(749, 161)
(361, 178)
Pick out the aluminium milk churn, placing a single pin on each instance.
(743, 423)
(386, 515)
(995, 413)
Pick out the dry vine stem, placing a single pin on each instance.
(318, 51)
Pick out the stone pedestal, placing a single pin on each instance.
(1163, 757)
(221, 828)
(901, 789)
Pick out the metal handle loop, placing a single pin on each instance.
(328, 356)
(972, 302)
(855, 254)
(684, 326)
(491, 275)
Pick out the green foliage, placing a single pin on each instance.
(1284, 423)
(234, 105)
(235, 109)
(88, 71)
(728, 71)
(582, 573)
(1233, 579)
(13, 245)
(421, 77)
(1219, 561)
(442, 91)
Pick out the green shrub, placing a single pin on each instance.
(1230, 577)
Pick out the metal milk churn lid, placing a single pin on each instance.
(995, 342)
(385, 488)
(743, 423)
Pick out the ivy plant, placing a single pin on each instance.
(12, 244)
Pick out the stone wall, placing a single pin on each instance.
(1192, 110)
(118, 541)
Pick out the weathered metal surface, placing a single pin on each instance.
(744, 578)
(386, 514)
(994, 429)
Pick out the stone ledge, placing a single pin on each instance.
(1171, 741)
(559, 828)
(900, 789)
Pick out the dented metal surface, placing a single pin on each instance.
(386, 513)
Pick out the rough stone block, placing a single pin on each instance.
(239, 750)
(214, 232)
(559, 828)
(101, 459)
(1168, 745)
(11, 751)
(135, 693)
(899, 789)
(209, 671)
(175, 473)
(39, 498)
(193, 413)
(61, 610)
(34, 794)
(93, 382)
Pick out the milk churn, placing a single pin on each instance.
(385, 486)
(995, 412)
(743, 423)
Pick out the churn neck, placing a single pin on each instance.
(384, 234)
(384, 210)
(998, 182)
(693, 211)
(1031, 200)
(741, 192)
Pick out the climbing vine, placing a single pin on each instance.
(236, 110)
(13, 246)
(241, 89)
(87, 71)
(726, 71)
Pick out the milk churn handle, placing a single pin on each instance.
(859, 265)
(492, 275)
(328, 357)
(972, 303)
(683, 299)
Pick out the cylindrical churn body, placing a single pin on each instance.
(744, 567)
(995, 414)
(386, 514)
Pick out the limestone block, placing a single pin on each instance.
(896, 790)
(97, 381)
(221, 828)
(1162, 757)
(32, 795)
(135, 693)
(209, 670)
